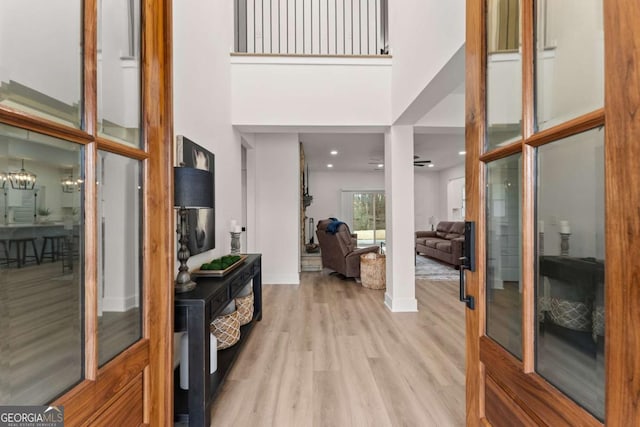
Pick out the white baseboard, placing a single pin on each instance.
(119, 304)
(400, 305)
(280, 279)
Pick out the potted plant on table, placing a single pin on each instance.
(43, 214)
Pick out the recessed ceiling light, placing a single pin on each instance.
(334, 152)
(329, 165)
(462, 153)
(430, 165)
(380, 165)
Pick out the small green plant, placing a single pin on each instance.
(221, 263)
(44, 212)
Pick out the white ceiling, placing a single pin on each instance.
(355, 151)
(362, 152)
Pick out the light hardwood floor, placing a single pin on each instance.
(41, 332)
(328, 353)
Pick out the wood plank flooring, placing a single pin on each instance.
(40, 332)
(328, 353)
(41, 346)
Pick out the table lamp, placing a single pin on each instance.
(192, 189)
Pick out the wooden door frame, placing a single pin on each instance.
(622, 151)
(622, 131)
(159, 248)
(475, 87)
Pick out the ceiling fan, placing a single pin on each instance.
(420, 163)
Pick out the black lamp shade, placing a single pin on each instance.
(192, 188)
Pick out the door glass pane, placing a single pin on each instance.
(41, 51)
(41, 266)
(504, 73)
(369, 218)
(570, 282)
(569, 60)
(504, 253)
(119, 71)
(119, 254)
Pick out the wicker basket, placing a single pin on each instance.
(226, 328)
(373, 271)
(570, 314)
(244, 305)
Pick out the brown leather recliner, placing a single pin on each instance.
(339, 251)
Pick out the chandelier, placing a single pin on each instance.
(21, 180)
(70, 185)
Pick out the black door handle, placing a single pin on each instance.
(467, 299)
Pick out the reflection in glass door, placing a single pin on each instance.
(571, 264)
(504, 269)
(369, 217)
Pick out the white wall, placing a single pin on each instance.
(119, 198)
(274, 205)
(118, 74)
(455, 199)
(575, 83)
(40, 46)
(447, 113)
(573, 167)
(202, 99)
(445, 177)
(504, 88)
(424, 35)
(427, 198)
(310, 91)
(327, 186)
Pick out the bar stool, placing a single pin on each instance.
(5, 255)
(54, 251)
(21, 250)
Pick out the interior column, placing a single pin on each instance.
(398, 178)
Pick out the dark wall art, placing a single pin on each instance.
(201, 222)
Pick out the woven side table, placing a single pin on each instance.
(373, 271)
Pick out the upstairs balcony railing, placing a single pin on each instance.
(311, 27)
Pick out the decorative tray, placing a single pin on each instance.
(219, 273)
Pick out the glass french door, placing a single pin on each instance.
(85, 125)
(368, 210)
(549, 157)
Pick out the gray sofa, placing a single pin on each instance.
(445, 243)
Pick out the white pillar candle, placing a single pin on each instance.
(540, 226)
(237, 229)
(233, 224)
(184, 362)
(184, 358)
(564, 227)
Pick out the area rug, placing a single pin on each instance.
(428, 268)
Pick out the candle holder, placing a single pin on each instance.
(564, 244)
(235, 242)
(541, 243)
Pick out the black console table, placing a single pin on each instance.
(579, 280)
(194, 312)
